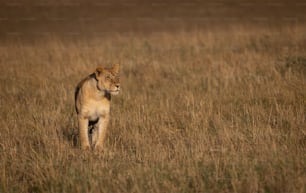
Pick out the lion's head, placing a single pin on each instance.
(108, 79)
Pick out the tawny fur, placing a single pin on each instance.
(92, 103)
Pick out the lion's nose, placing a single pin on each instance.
(117, 85)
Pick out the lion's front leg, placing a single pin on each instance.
(83, 132)
(100, 132)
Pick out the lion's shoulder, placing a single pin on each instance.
(86, 81)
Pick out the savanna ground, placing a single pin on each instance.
(213, 98)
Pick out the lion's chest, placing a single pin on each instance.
(95, 109)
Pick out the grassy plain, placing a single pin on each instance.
(202, 110)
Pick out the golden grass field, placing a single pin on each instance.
(202, 110)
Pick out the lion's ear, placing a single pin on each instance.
(115, 68)
(99, 71)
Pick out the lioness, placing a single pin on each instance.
(92, 104)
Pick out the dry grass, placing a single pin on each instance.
(200, 111)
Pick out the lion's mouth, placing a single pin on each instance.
(114, 91)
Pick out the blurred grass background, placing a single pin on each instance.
(213, 96)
